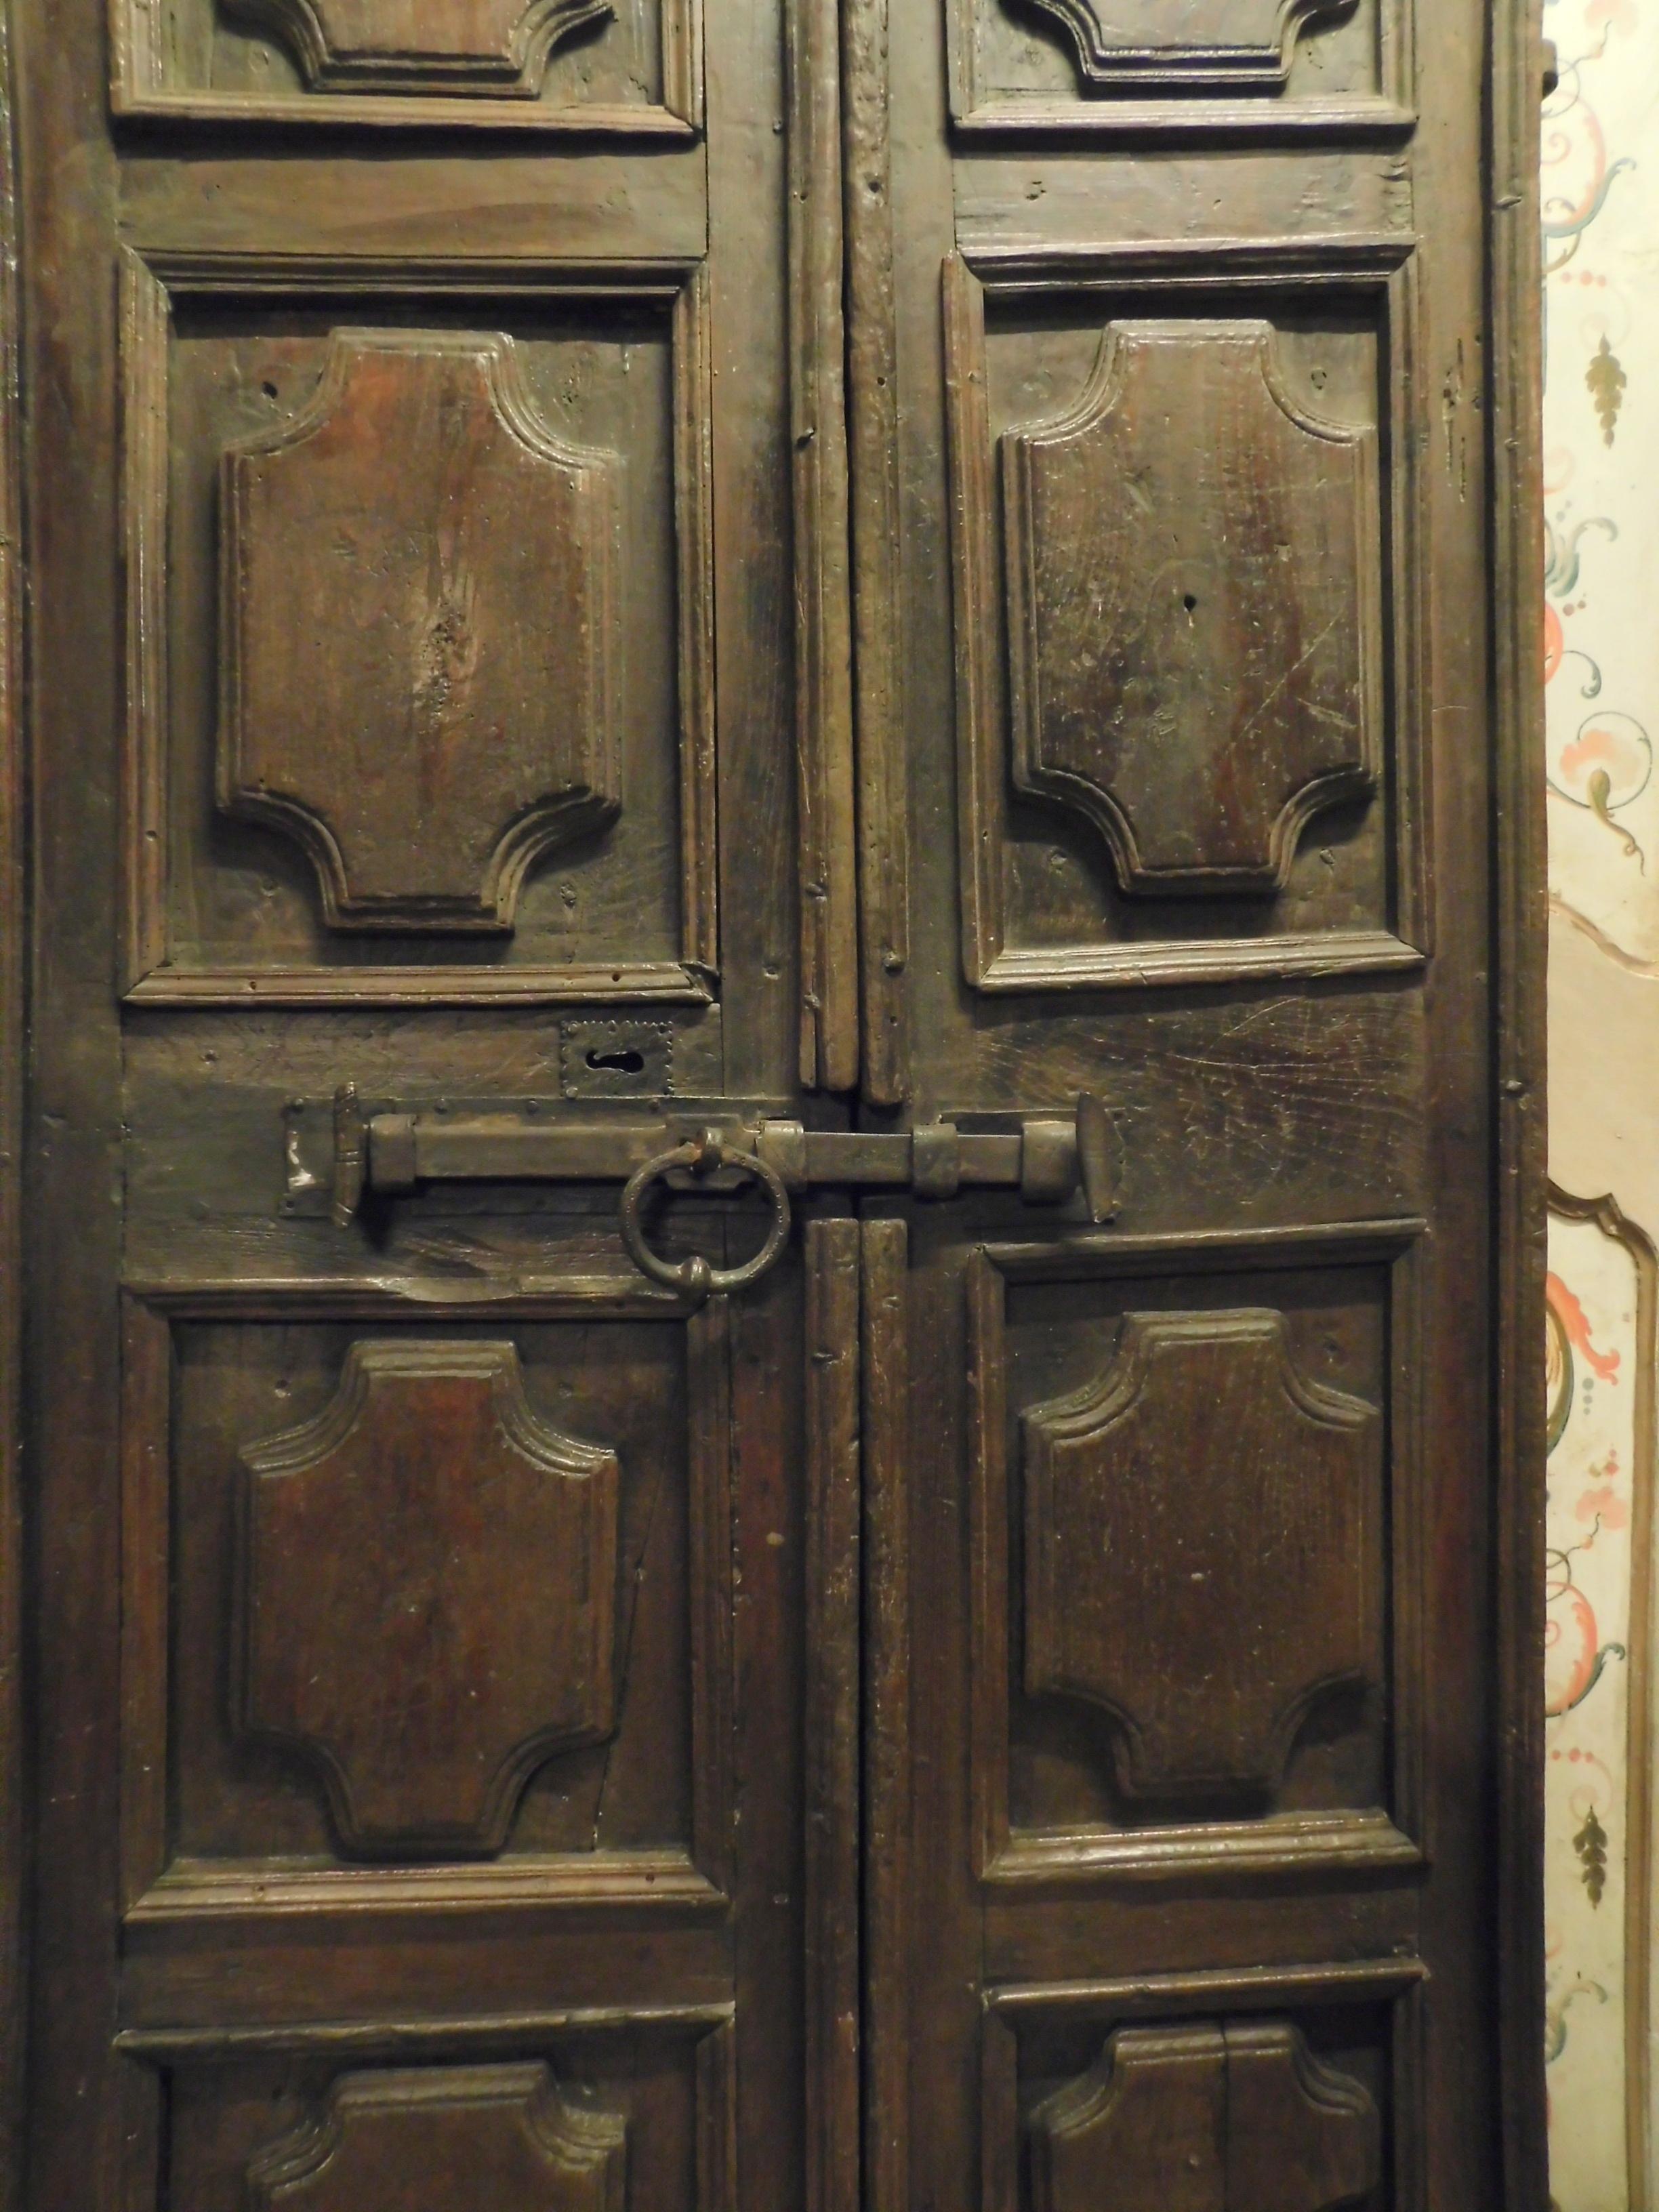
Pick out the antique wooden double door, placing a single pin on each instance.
(767, 1190)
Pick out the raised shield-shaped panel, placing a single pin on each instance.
(1239, 2117)
(1194, 608)
(1195, 1505)
(428, 1595)
(1196, 1539)
(420, 45)
(425, 1612)
(1191, 723)
(504, 2136)
(417, 632)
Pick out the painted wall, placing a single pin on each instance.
(1601, 199)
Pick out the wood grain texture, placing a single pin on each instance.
(13, 1046)
(1290, 1105)
(389, 2042)
(1239, 2117)
(680, 1696)
(561, 2109)
(1046, 693)
(1301, 2135)
(1514, 417)
(409, 65)
(1150, 2121)
(823, 611)
(383, 2141)
(1202, 1445)
(884, 822)
(259, 217)
(158, 855)
(1246, 1989)
(889, 1750)
(834, 1719)
(419, 638)
(499, 46)
(1035, 1854)
(391, 1634)
(1142, 80)
(1201, 711)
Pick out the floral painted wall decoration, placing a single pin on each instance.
(1600, 208)
(1598, 1362)
(1600, 155)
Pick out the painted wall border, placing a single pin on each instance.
(1642, 1824)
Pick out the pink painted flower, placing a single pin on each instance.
(1617, 15)
(1606, 1502)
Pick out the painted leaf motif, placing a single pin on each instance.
(1591, 1845)
(1606, 380)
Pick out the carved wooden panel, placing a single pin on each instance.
(1301, 2137)
(428, 1595)
(1246, 42)
(1187, 614)
(502, 2136)
(1263, 66)
(1198, 1534)
(1193, 608)
(418, 632)
(420, 45)
(1240, 2117)
(1145, 2130)
(442, 756)
(518, 65)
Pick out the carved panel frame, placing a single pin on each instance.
(158, 1889)
(979, 109)
(150, 283)
(138, 88)
(154, 2055)
(575, 2138)
(1302, 1843)
(1381, 270)
(1396, 1983)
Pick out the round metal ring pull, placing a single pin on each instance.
(694, 1277)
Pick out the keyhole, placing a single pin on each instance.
(625, 1062)
(1189, 602)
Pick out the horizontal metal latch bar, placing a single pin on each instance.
(1046, 1157)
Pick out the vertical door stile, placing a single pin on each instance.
(833, 1717)
(824, 675)
(873, 414)
(12, 1049)
(887, 1734)
(1522, 926)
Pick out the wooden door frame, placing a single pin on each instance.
(1514, 477)
(1518, 832)
(15, 1800)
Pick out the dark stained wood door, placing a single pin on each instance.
(779, 1162)
(1191, 1557)
(420, 457)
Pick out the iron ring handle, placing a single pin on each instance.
(694, 1277)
